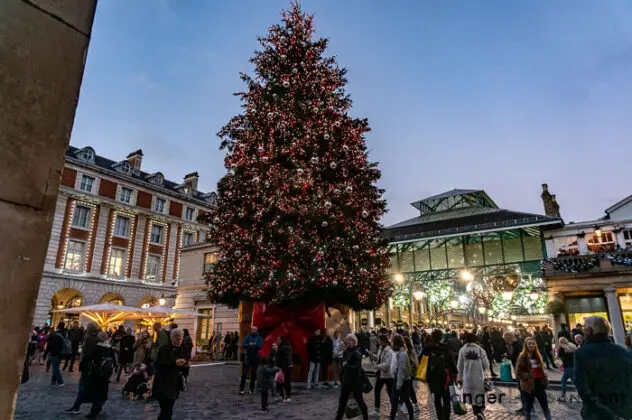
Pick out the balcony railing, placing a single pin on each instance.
(581, 265)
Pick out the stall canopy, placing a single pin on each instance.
(105, 313)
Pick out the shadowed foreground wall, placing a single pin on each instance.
(43, 45)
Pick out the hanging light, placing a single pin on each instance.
(162, 300)
(507, 295)
(463, 299)
(466, 275)
(534, 295)
(454, 304)
(61, 305)
(481, 310)
(418, 295)
(598, 232)
(399, 277)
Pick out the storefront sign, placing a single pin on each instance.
(583, 305)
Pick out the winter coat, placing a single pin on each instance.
(513, 351)
(524, 373)
(96, 387)
(454, 345)
(55, 344)
(143, 350)
(89, 342)
(126, 354)
(373, 343)
(265, 376)
(338, 348)
(167, 377)
(76, 336)
(162, 339)
(603, 378)
(314, 348)
(568, 358)
(352, 369)
(499, 345)
(327, 351)
(472, 365)
(486, 343)
(284, 356)
(430, 350)
(252, 344)
(400, 368)
(383, 364)
(187, 347)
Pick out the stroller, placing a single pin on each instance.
(137, 386)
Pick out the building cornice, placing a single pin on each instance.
(61, 275)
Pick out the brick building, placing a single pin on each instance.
(117, 233)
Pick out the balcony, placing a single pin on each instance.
(608, 264)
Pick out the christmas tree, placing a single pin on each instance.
(298, 211)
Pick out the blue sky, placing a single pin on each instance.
(499, 95)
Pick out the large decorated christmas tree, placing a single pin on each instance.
(297, 221)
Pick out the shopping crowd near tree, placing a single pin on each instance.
(297, 228)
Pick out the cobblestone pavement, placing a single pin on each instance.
(212, 395)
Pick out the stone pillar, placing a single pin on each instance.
(557, 320)
(371, 319)
(616, 317)
(43, 46)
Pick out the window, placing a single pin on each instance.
(125, 195)
(117, 262)
(74, 256)
(600, 241)
(81, 218)
(205, 325)
(627, 235)
(121, 227)
(187, 238)
(87, 183)
(189, 213)
(159, 205)
(210, 259)
(153, 268)
(156, 234)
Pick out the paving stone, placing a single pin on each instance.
(212, 394)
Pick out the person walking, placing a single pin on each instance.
(383, 370)
(187, 351)
(402, 378)
(55, 348)
(603, 374)
(352, 378)
(337, 354)
(548, 344)
(167, 382)
(567, 356)
(327, 356)
(76, 335)
(252, 344)
(440, 374)
(541, 339)
(89, 342)
(498, 344)
(533, 378)
(513, 346)
(142, 348)
(284, 362)
(126, 352)
(486, 344)
(314, 352)
(100, 362)
(454, 344)
(414, 363)
(472, 364)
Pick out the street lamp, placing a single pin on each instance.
(162, 300)
(399, 277)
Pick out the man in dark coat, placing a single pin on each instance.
(76, 334)
(314, 352)
(327, 357)
(89, 342)
(252, 344)
(167, 381)
(603, 374)
(486, 343)
(498, 343)
(439, 380)
(126, 352)
(96, 389)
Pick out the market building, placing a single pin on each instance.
(117, 234)
(463, 259)
(589, 269)
(192, 295)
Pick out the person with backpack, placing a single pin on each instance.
(90, 341)
(472, 365)
(58, 346)
(101, 362)
(440, 374)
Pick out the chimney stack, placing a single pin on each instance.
(551, 206)
(135, 159)
(192, 180)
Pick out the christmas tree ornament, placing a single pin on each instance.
(365, 214)
(324, 224)
(294, 70)
(326, 136)
(333, 165)
(314, 160)
(286, 84)
(237, 253)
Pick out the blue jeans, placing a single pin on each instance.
(569, 373)
(337, 370)
(81, 390)
(55, 362)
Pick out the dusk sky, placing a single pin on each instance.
(495, 95)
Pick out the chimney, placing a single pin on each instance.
(192, 180)
(551, 207)
(135, 159)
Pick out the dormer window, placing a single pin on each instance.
(156, 178)
(211, 198)
(87, 154)
(123, 167)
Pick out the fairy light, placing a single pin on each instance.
(93, 216)
(130, 243)
(71, 215)
(108, 241)
(178, 253)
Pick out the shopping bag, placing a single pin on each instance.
(422, 369)
(352, 409)
(456, 398)
(505, 371)
(279, 378)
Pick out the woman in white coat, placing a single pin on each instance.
(472, 365)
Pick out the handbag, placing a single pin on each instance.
(422, 369)
(488, 384)
(366, 383)
(279, 378)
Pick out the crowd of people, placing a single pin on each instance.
(155, 366)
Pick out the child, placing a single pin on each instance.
(136, 386)
(265, 378)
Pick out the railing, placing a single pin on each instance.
(577, 265)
